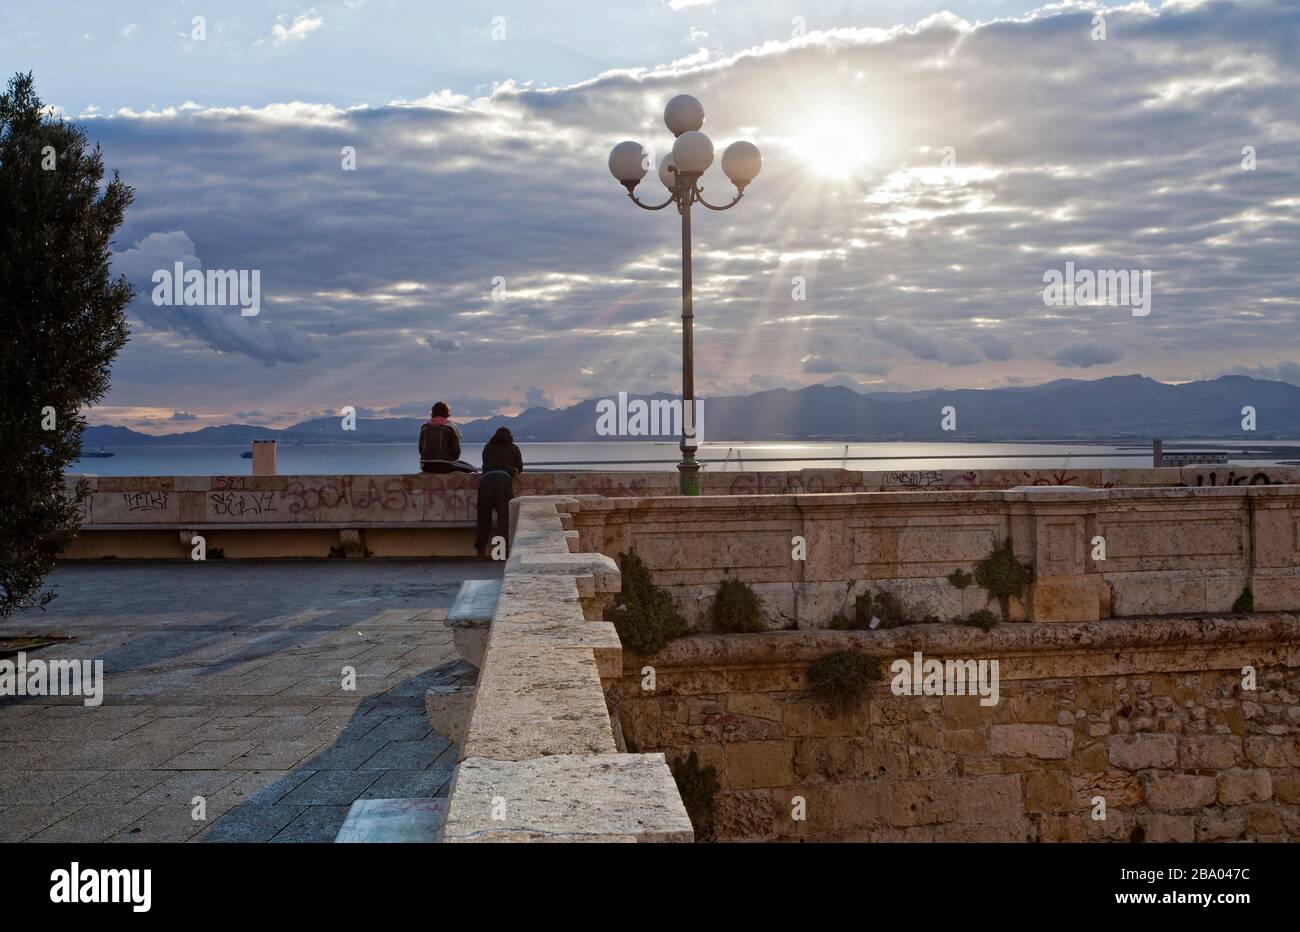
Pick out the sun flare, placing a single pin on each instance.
(832, 147)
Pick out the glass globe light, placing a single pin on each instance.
(683, 114)
(627, 163)
(693, 152)
(667, 173)
(741, 161)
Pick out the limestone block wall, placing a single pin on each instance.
(1149, 717)
(1166, 550)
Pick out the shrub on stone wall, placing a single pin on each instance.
(697, 786)
(735, 608)
(1004, 577)
(960, 578)
(982, 618)
(644, 615)
(842, 676)
(1245, 603)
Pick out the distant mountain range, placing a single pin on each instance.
(1129, 407)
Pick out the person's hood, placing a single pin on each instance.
(502, 435)
(439, 421)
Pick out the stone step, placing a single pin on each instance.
(470, 615)
(382, 821)
(475, 602)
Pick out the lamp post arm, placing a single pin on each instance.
(638, 203)
(699, 198)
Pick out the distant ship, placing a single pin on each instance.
(101, 453)
(247, 454)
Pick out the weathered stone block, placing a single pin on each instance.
(1208, 752)
(566, 798)
(1179, 792)
(760, 764)
(1244, 786)
(923, 803)
(1162, 828)
(1045, 742)
(1047, 791)
(1140, 751)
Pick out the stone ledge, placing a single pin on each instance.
(601, 798)
(533, 702)
(795, 647)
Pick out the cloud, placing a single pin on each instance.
(287, 32)
(443, 345)
(1083, 355)
(1281, 372)
(221, 328)
(183, 416)
(928, 346)
(915, 267)
(819, 363)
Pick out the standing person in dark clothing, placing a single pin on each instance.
(502, 461)
(440, 442)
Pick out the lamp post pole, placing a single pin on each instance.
(680, 173)
(688, 469)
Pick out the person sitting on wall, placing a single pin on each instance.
(502, 461)
(440, 443)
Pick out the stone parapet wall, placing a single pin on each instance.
(1148, 716)
(539, 759)
(275, 500)
(1166, 550)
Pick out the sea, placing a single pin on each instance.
(648, 456)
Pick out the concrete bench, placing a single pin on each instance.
(372, 821)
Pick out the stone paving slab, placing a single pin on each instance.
(241, 704)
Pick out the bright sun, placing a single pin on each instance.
(834, 148)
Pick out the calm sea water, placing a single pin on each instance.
(397, 458)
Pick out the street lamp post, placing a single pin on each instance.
(680, 173)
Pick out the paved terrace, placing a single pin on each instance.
(224, 681)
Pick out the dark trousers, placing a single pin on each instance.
(494, 493)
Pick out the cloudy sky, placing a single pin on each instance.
(925, 163)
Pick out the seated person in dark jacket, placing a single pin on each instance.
(440, 443)
(502, 461)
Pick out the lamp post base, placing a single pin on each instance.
(689, 471)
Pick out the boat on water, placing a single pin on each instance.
(101, 453)
(247, 454)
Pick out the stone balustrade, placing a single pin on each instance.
(1096, 553)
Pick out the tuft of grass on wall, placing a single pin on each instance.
(843, 676)
(735, 608)
(697, 786)
(983, 619)
(1004, 577)
(645, 616)
(1245, 603)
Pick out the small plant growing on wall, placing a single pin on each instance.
(1245, 603)
(697, 786)
(960, 578)
(645, 616)
(735, 608)
(983, 619)
(843, 676)
(1004, 577)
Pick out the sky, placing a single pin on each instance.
(926, 164)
